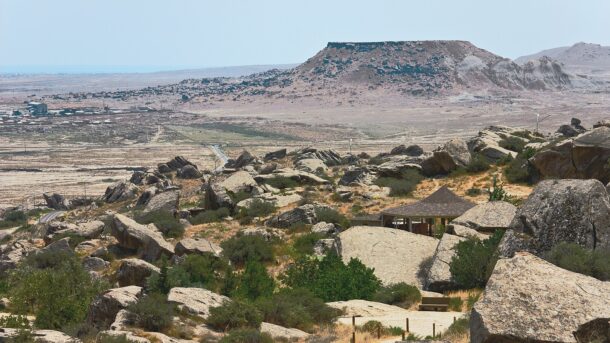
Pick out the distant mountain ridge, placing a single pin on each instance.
(581, 58)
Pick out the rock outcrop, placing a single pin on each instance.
(145, 239)
(329, 157)
(120, 191)
(189, 172)
(486, 217)
(489, 140)
(56, 201)
(583, 157)
(576, 211)
(198, 246)
(573, 129)
(530, 300)
(134, 272)
(447, 158)
(280, 332)
(385, 250)
(275, 155)
(104, 308)
(196, 301)
(163, 202)
(438, 278)
(411, 150)
(244, 159)
(305, 214)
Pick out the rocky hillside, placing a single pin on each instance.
(394, 68)
(581, 58)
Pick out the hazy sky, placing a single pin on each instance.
(143, 35)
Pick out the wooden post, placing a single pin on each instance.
(454, 319)
(354, 337)
(403, 335)
(433, 330)
(378, 332)
(354, 322)
(408, 325)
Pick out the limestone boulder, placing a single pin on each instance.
(358, 176)
(198, 246)
(196, 301)
(134, 272)
(576, 211)
(323, 246)
(311, 165)
(120, 191)
(325, 228)
(395, 255)
(163, 202)
(583, 157)
(177, 163)
(145, 239)
(189, 172)
(56, 201)
(267, 233)
(244, 159)
(87, 230)
(305, 214)
(530, 300)
(488, 141)
(277, 200)
(411, 150)
(275, 155)
(301, 177)
(487, 217)
(13, 253)
(280, 332)
(396, 166)
(438, 278)
(447, 158)
(329, 157)
(104, 308)
(39, 336)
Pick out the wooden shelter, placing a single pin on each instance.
(439, 208)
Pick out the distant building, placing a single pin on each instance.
(37, 108)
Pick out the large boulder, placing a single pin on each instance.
(275, 155)
(244, 159)
(103, 310)
(120, 191)
(282, 333)
(530, 300)
(149, 177)
(311, 165)
(219, 194)
(357, 176)
(196, 301)
(87, 230)
(329, 157)
(277, 200)
(146, 239)
(189, 172)
(396, 166)
(12, 254)
(411, 150)
(584, 157)
(134, 271)
(395, 255)
(198, 246)
(447, 158)
(296, 175)
(56, 201)
(438, 278)
(576, 211)
(573, 129)
(176, 163)
(488, 141)
(163, 202)
(305, 214)
(486, 217)
(38, 336)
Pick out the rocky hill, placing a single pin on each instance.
(394, 68)
(580, 58)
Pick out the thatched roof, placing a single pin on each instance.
(442, 203)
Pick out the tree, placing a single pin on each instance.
(254, 282)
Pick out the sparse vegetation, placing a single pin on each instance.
(153, 312)
(243, 248)
(247, 335)
(256, 208)
(402, 186)
(573, 257)
(13, 218)
(281, 182)
(211, 216)
(234, 314)
(169, 225)
(254, 282)
(399, 294)
(329, 215)
(478, 163)
(518, 169)
(513, 144)
(304, 244)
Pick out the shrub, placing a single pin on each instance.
(153, 312)
(304, 244)
(296, 308)
(240, 249)
(239, 196)
(247, 336)
(402, 186)
(234, 314)
(455, 304)
(497, 192)
(474, 261)
(375, 327)
(257, 208)
(329, 215)
(513, 144)
(457, 330)
(399, 294)
(518, 170)
(13, 218)
(281, 182)
(169, 225)
(58, 294)
(105, 338)
(195, 271)
(15, 322)
(473, 192)
(332, 280)
(573, 257)
(211, 216)
(254, 282)
(478, 163)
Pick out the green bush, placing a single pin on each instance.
(247, 336)
(513, 144)
(13, 218)
(256, 208)
(153, 312)
(374, 327)
(399, 294)
(234, 314)
(497, 192)
(204, 271)
(402, 186)
(573, 257)
(211, 216)
(455, 304)
(474, 261)
(58, 294)
(240, 249)
(329, 215)
(332, 280)
(478, 163)
(169, 225)
(254, 282)
(473, 192)
(281, 182)
(15, 322)
(518, 170)
(296, 308)
(457, 330)
(304, 244)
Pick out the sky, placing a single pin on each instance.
(152, 35)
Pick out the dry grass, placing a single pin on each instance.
(465, 295)
(343, 334)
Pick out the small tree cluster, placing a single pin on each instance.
(474, 261)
